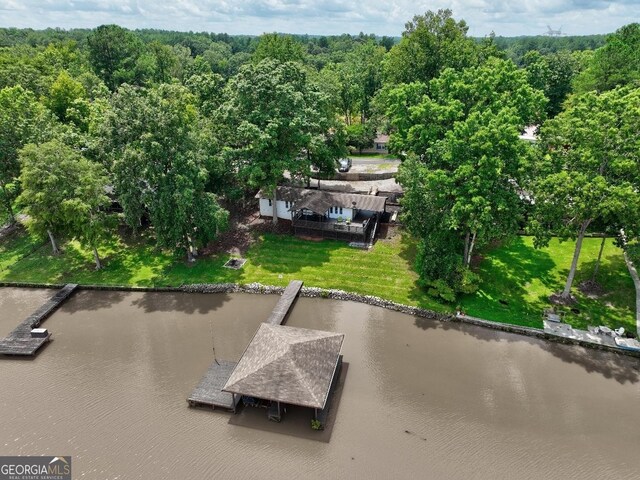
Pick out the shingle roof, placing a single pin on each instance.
(287, 364)
(319, 201)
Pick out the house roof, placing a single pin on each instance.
(382, 138)
(287, 364)
(319, 201)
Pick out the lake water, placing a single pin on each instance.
(420, 399)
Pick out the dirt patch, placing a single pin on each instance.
(245, 225)
(558, 299)
(591, 288)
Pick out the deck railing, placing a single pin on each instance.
(358, 228)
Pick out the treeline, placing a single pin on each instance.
(516, 47)
(178, 127)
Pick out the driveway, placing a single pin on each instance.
(374, 164)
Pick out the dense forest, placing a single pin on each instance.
(179, 128)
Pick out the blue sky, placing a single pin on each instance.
(328, 17)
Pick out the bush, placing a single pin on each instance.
(440, 290)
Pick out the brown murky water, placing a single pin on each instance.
(16, 304)
(420, 399)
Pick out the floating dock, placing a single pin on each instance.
(21, 341)
(209, 392)
(285, 303)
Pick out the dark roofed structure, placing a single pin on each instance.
(346, 216)
(319, 201)
(289, 365)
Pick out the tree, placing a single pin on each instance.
(617, 63)
(62, 95)
(158, 165)
(113, 52)
(274, 120)
(462, 179)
(283, 48)
(553, 74)
(63, 193)
(588, 171)
(360, 136)
(430, 43)
(22, 120)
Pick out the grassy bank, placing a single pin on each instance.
(517, 278)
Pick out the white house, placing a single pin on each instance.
(338, 213)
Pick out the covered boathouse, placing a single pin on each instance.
(345, 216)
(288, 366)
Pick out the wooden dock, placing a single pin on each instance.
(284, 304)
(20, 341)
(209, 392)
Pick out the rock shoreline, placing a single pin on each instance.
(315, 292)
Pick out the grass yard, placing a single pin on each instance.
(516, 274)
(524, 277)
(275, 260)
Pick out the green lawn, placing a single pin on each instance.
(524, 277)
(517, 274)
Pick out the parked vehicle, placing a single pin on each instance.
(344, 164)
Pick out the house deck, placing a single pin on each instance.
(20, 341)
(357, 229)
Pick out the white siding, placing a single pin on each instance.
(266, 210)
(347, 213)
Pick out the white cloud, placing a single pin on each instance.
(383, 17)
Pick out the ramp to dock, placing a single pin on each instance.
(284, 304)
(20, 341)
(209, 392)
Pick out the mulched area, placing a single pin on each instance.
(245, 225)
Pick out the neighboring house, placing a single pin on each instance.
(380, 144)
(347, 216)
(530, 133)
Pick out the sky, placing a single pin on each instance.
(323, 17)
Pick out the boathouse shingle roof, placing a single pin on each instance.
(287, 364)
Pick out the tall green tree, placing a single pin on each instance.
(464, 173)
(617, 63)
(64, 194)
(158, 166)
(553, 74)
(589, 170)
(282, 48)
(275, 120)
(64, 92)
(430, 43)
(22, 120)
(113, 52)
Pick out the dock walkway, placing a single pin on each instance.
(20, 341)
(209, 392)
(284, 304)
